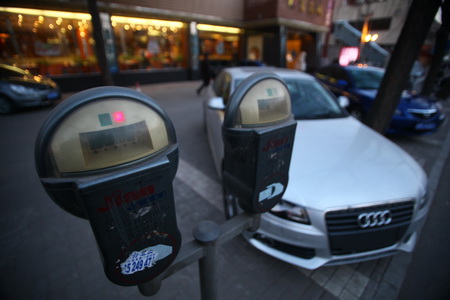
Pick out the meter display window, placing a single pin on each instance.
(107, 133)
(127, 141)
(267, 102)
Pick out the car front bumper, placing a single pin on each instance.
(408, 125)
(308, 246)
(40, 98)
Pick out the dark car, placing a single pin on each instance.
(415, 114)
(19, 89)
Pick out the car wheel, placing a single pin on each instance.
(6, 107)
(230, 205)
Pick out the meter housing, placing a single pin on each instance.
(258, 133)
(109, 155)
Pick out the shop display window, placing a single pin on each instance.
(220, 42)
(47, 42)
(149, 43)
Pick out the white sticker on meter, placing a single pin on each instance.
(271, 191)
(146, 258)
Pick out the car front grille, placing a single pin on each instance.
(368, 228)
(424, 114)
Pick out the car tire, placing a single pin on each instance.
(6, 106)
(230, 205)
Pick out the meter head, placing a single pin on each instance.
(261, 100)
(109, 155)
(100, 131)
(105, 134)
(258, 133)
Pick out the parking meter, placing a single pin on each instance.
(258, 133)
(110, 154)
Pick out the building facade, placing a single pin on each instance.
(157, 41)
(383, 18)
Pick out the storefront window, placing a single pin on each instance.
(47, 42)
(148, 43)
(220, 42)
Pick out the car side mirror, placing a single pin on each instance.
(343, 101)
(217, 103)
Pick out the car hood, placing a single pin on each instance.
(408, 99)
(337, 163)
(31, 81)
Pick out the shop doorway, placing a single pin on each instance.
(298, 47)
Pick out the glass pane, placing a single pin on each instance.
(311, 101)
(149, 43)
(47, 42)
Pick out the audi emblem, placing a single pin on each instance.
(375, 219)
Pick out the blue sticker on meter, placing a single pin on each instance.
(146, 258)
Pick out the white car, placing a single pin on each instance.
(352, 196)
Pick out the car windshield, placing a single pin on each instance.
(367, 79)
(310, 100)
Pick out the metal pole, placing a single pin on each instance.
(99, 43)
(208, 236)
(207, 233)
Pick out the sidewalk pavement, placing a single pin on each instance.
(428, 274)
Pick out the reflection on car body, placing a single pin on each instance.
(352, 195)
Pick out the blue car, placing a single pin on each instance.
(415, 114)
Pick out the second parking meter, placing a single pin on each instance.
(258, 134)
(110, 154)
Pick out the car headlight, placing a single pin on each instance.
(291, 212)
(423, 200)
(22, 90)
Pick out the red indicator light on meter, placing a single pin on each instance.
(118, 116)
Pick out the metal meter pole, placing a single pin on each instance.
(207, 233)
(208, 236)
